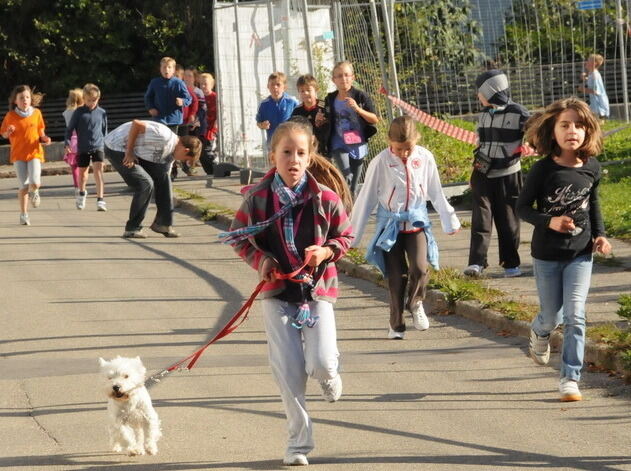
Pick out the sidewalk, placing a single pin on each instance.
(458, 396)
(609, 279)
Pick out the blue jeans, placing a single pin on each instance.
(145, 178)
(563, 288)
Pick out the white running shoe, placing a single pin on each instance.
(421, 322)
(35, 199)
(81, 200)
(473, 271)
(101, 205)
(569, 390)
(295, 459)
(539, 348)
(394, 335)
(24, 220)
(332, 388)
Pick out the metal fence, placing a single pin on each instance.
(421, 50)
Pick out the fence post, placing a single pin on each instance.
(246, 158)
(623, 60)
(339, 33)
(389, 31)
(272, 35)
(375, 27)
(305, 20)
(220, 143)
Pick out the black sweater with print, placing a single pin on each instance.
(555, 190)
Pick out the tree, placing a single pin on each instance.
(116, 44)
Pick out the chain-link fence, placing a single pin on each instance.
(426, 51)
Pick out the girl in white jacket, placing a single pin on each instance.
(399, 181)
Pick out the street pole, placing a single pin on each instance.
(374, 19)
(305, 20)
(272, 35)
(623, 59)
(246, 158)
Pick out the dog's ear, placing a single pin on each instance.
(102, 362)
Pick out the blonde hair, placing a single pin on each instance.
(167, 60)
(403, 129)
(320, 168)
(207, 76)
(597, 58)
(339, 65)
(277, 76)
(194, 146)
(36, 98)
(91, 90)
(541, 129)
(75, 99)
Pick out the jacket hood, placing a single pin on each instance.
(493, 85)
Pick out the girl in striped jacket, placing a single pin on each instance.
(286, 218)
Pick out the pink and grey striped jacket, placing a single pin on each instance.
(332, 228)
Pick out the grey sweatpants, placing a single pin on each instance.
(295, 355)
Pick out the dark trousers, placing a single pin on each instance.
(407, 270)
(350, 168)
(208, 155)
(495, 199)
(145, 178)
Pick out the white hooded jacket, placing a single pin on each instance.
(399, 186)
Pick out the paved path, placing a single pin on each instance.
(456, 397)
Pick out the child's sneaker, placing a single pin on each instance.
(419, 317)
(137, 234)
(35, 199)
(101, 205)
(295, 459)
(394, 335)
(569, 390)
(539, 348)
(512, 272)
(81, 199)
(332, 388)
(24, 220)
(473, 270)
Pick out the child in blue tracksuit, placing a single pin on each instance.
(277, 107)
(166, 96)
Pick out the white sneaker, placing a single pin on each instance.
(295, 459)
(35, 199)
(473, 270)
(539, 348)
(419, 317)
(332, 388)
(24, 220)
(81, 200)
(101, 205)
(394, 335)
(569, 390)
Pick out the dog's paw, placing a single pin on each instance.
(117, 448)
(152, 449)
(136, 451)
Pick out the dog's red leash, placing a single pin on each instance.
(234, 322)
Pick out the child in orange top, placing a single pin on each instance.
(23, 125)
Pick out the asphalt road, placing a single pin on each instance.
(456, 397)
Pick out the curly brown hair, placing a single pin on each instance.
(540, 129)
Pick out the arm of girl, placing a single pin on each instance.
(319, 254)
(340, 234)
(10, 130)
(448, 218)
(371, 118)
(367, 199)
(602, 245)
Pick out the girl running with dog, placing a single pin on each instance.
(287, 219)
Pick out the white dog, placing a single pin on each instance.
(135, 426)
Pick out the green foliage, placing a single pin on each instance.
(437, 36)
(624, 310)
(356, 256)
(541, 31)
(615, 206)
(116, 44)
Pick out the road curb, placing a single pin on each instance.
(437, 303)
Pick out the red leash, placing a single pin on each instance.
(235, 322)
